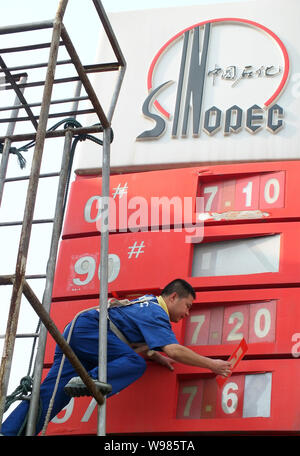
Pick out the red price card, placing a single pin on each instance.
(234, 359)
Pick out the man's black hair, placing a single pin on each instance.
(182, 288)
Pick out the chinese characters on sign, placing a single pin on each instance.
(235, 74)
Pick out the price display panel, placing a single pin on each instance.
(258, 194)
(261, 396)
(267, 319)
(246, 254)
(258, 191)
(236, 255)
(137, 262)
(155, 198)
(202, 398)
(221, 194)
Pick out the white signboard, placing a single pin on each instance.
(204, 84)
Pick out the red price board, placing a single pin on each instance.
(257, 192)
(246, 254)
(230, 193)
(272, 327)
(245, 269)
(229, 324)
(154, 198)
(236, 255)
(200, 399)
(137, 262)
(253, 399)
(266, 318)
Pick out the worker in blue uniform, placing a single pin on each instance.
(135, 332)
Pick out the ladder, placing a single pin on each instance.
(21, 84)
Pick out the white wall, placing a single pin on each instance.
(141, 35)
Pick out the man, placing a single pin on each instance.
(141, 328)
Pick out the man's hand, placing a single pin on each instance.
(220, 367)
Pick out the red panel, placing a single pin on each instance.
(288, 268)
(257, 192)
(247, 194)
(236, 323)
(230, 398)
(197, 399)
(265, 187)
(209, 399)
(241, 405)
(255, 397)
(271, 327)
(262, 322)
(146, 260)
(130, 194)
(190, 399)
(216, 325)
(137, 261)
(227, 202)
(211, 194)
(283, 304)
(272, 193)
(197, 331)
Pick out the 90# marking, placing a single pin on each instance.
(85, 267)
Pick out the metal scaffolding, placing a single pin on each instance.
(19, 83)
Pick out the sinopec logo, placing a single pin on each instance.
(230, 73)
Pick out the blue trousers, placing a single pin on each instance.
(124, 366)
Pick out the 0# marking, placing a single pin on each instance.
(156, 445)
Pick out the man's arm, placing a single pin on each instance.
(154, 356)
(184, 355)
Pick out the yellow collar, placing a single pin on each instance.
(162, 304)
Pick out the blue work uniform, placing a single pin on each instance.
(145, 320)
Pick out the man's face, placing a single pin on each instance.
(179, 308)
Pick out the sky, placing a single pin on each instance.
(19, 12)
